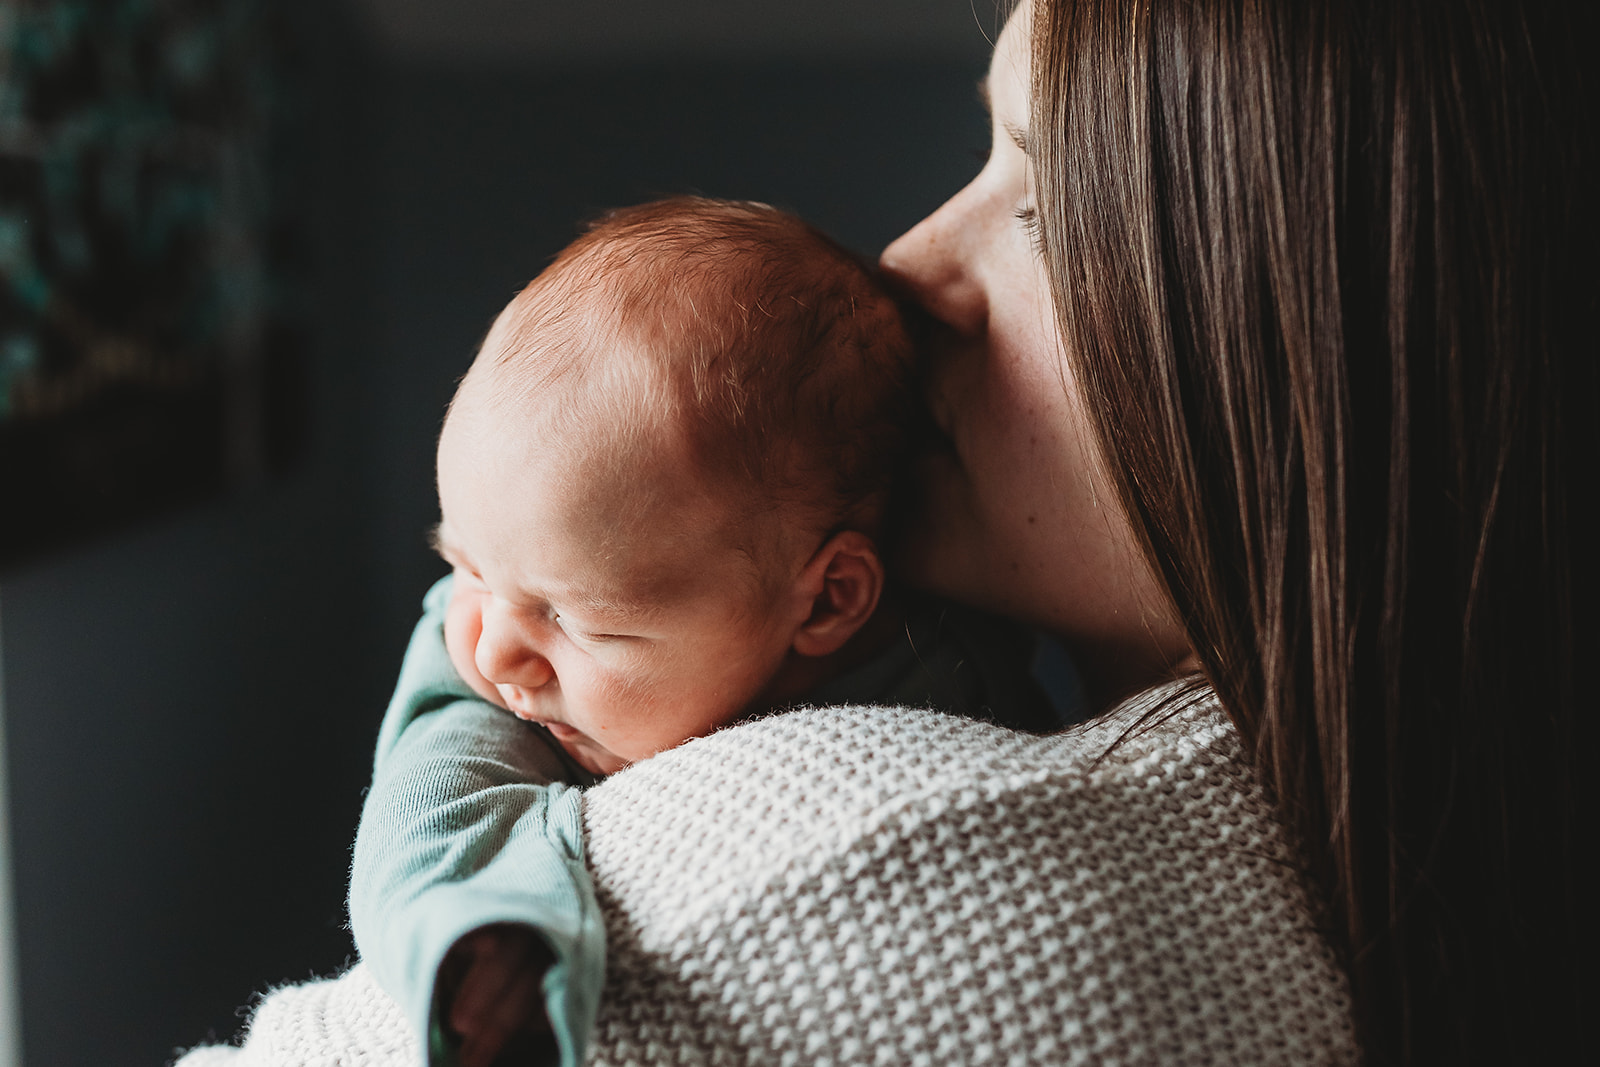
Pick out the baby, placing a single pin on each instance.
(663, 486)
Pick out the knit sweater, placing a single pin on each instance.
(868, 885)
(472, 817)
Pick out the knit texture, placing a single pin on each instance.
(344, 1022)
(882, 886)
(855, 886)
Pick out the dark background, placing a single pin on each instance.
(190, 707)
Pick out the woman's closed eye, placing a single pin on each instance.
(1028, 217)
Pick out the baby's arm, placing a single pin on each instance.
(470, 829)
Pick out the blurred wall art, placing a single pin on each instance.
(147, 350)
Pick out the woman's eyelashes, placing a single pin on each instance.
(1028, 217)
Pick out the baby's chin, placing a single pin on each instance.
(575, 743)
(590, 756)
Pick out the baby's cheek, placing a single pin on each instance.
(463, 625)
(657, 711)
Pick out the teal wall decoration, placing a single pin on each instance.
(146, 341)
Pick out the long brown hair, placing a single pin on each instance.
(1325, 271)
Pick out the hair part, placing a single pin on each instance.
(1327, 274)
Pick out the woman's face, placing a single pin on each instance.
(1019, 515)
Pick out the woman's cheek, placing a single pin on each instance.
(936, 543)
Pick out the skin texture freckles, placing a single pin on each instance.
(1020, 518)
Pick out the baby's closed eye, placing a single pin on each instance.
(575, 629)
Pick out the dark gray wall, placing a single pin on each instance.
(187, 704)
(474, 208)
(191, 708)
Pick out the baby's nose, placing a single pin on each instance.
(506, 654)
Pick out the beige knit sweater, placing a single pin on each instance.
(883, 886)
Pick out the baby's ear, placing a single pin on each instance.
(843, 580)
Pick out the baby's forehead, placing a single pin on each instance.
(613, 438)
(629, 506)
(589, 396)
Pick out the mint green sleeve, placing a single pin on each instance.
(473, 818)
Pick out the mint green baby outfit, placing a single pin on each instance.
(474, 815)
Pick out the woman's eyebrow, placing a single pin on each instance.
(1019, 135)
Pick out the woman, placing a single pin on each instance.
(1331, 309)
(1320, 273)
(1258, 360)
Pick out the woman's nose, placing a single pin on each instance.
(505, 654)
(934, 263)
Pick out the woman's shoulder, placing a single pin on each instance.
(838, 879)
(790, 784)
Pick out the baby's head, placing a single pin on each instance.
(662, 480)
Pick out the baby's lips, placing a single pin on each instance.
(513, 700)
(559, 730)
(562, 732)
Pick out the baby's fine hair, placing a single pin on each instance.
(776, 350)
